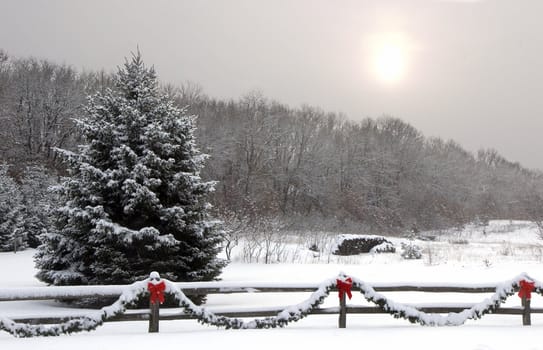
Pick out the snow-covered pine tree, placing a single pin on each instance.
(134, 201)
(38, 201)
(12, 234)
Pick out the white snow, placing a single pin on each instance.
(460, 264)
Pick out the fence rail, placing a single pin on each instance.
(204, 288)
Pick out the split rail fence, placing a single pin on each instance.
(153, 315)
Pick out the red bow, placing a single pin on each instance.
(526, 289)
(344, 286)
(157, 291)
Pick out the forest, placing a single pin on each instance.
(289, 167)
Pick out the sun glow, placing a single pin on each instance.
(390, 59)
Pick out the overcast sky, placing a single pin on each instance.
(471, 71)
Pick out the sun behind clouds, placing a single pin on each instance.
(389, 58)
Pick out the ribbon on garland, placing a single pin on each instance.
(344, 286)
(526, 289)
(157, 291)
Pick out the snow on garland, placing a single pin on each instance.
(289, 314)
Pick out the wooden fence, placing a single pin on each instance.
(206, 288)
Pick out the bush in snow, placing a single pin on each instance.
(314, 248)
(385, 247)
(134, 201)
(356, 244)
(411, 251)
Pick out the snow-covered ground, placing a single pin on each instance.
(501, 252)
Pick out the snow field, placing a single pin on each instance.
(501, 241)
(379, 331)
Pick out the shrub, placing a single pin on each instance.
(314, 248)
(411, 251)
(385, 247)
(357, 244)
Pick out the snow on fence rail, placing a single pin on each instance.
(201, 288)
(266, 317)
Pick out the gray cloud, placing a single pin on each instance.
(474, 74)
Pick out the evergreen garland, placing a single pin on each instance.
(79, 324)
(413, 315)
(290, 314)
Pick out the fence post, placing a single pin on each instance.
(342, 310)
(526, 315)
(156, 288)
(154, 315)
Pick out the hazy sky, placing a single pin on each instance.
(471, 71)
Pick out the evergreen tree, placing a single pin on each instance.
(38, 201)
(12, 234)
(134, 201)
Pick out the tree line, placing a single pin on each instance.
(302, 166)
(380, 175)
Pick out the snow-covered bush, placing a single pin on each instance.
(357, 244)
(385, 247)
(314, 248)
(411, 251)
